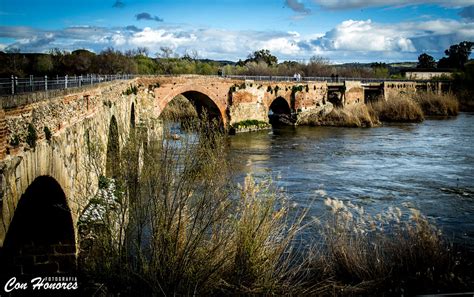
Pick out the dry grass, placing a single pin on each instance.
(392, 253)
(437, 104)
(358, 115)
(398, 109)
(190, 230)
(182, 227)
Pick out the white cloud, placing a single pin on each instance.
(282, 45)
(365, 36)
(351, 40)
(152, 38)
(352, 4)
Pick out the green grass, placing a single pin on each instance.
(250, 123)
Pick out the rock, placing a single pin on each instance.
(282, 119)
(314, 114)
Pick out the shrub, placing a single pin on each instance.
(47, 133)
(32, 136)
(15, 141)
(250, 123)
(131, 90)
(398, 109)
(437, 104)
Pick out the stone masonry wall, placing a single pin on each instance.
(78, 122)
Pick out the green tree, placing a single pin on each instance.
(79, 62)
(145, 64)
(457, 55)
(262, 55)
(380, 70)
(43, 65)
(426, 61)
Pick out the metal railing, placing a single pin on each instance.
(329, 79)
(15, 85)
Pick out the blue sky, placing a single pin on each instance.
(341, 30)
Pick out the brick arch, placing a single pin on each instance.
(272, 99)
(221, 106)
(41, 237)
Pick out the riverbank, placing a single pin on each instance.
(402, 109)
(193, 230)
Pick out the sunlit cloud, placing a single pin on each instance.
(350, 40)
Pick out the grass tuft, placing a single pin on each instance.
(437, 104)
(398, 109)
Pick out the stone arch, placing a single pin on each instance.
(112, 166)
(279, 105)
(41, 236)
(279, 112)
(201, 97)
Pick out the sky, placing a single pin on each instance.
(339, 30)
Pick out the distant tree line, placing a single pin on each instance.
(261, 62)
(109, 61)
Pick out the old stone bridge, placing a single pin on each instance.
(47, 173)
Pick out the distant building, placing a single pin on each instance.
(426, 73)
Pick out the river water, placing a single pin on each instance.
(428, 166)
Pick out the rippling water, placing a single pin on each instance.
(429, 166)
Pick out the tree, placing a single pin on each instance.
(457, 55)
(380, 70)
(43, 65)
(426, 61)
(165, 52)
(262, 55)
(318, 66)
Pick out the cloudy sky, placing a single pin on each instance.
(341, 30)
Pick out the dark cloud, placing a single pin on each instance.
(32, 44)
(119, 4)
(18, 31)
(467, 13)
(148, 17)
(297, 6)
(133, 28)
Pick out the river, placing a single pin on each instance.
(428, 166)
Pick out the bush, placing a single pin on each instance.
(398, 109)
(15, 141)
(32, 136)
(131, 90)
(437, 104)
(250, 123)
(47, 133)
